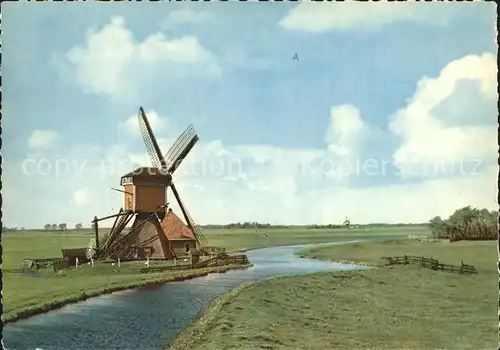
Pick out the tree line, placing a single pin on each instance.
(249, 225)
(61, 227)
(255, 225)
(11, 229)
(466, 223)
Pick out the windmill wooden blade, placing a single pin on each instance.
(180, 149)
(150, 141)
(189, 220)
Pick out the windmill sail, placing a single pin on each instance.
(202, 241)
(150, 141)
(180, 149)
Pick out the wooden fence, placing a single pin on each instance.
(430, 263)
(223, 259)
(31, 265)
(57, 264)
(220, 260)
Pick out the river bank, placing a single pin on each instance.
(160, 313)
(387, 307)
(195, 331)
(152, 279)
(22, 292)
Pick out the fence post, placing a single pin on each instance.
(461, 267)
(406, 260)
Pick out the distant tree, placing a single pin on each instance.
(54, 227)
(63, 227)
(78, 226)
(437, 227)
(47, 227)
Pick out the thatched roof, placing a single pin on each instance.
(174, 228)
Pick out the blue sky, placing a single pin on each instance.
(398, 84)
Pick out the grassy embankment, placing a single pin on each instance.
(24, 295)
(386, 308)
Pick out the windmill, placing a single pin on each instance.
(157, 233)
(347, 222)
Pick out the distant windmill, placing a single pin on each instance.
(347, 222)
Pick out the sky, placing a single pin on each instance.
(388, 115)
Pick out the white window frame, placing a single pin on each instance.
(127, 180)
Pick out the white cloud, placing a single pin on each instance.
(131, 124)
(264, 188)
(346, 128)
(41, 139)
(113, 63)
(319, 17)
(221, 183)
(186, 15)
(430, 136)
(411, 202)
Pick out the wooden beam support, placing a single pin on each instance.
(116, 220)
(109, 216)
(116, 189)
(117, 243)
(96, 227)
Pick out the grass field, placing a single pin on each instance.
(23, 293)
(392, 307)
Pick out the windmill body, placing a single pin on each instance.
(145, 190)
(157, 232)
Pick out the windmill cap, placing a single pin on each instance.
(154, 175)
(147, 171)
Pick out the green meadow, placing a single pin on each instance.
(24, 294)
(389, 307)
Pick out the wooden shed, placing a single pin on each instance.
(181, 239)
(72, 254)
(148, 241)
(158, 240)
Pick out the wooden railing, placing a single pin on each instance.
(209, 250)
(223, 259)
(220, 260)
(430, 263)
(153, 269)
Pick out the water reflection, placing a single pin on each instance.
(150, 317)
